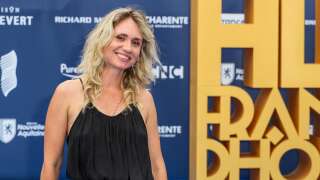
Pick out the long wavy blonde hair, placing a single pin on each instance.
(92, 63)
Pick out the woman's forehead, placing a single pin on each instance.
(129, 27)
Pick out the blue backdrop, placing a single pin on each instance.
(40, 45)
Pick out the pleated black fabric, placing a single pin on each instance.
(102, 147)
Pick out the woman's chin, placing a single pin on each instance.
(119, 66)
(124, 67)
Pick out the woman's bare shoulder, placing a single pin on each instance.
(69, 90)
(69, 86)
(145, 101)
(145, 96)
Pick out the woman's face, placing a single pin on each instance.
(125, 46)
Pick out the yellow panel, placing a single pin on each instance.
(260, 161)
(294, 72)
(261, 38)
(310, 167)
(275, 135)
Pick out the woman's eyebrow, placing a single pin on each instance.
(126, 35)
(121, 34)
(137, 39)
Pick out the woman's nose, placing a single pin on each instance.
(127, 46)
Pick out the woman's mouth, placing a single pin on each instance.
(123, 56)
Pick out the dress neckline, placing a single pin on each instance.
(91, 107)
(97, 109)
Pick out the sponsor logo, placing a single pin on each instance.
(168, 72)
(229, 73)
(7, 130)
(30, 129)
(169, 131)
(8, 67)
(12, 17)
(168, 21)
(310, 22)
(239, 74)
(10, 10)
(154, 21)
(238, 18)
(70, 72)
(76, 19)
(164, 72)
(232, 18)
(311, 129)
(72, 20)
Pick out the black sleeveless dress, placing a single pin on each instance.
(102, 147)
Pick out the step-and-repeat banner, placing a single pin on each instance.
(40, 46)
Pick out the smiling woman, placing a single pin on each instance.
(124, 49)
(107, 116)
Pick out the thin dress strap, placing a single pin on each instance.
(89, 104)
(81, 83)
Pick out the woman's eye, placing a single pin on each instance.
(136, 43)
(121, 38)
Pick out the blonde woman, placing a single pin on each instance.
(107, 116)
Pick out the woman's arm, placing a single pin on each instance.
(55, 132)
(158, 166)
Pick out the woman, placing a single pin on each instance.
(107, 116)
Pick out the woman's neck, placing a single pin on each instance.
(111, 78)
